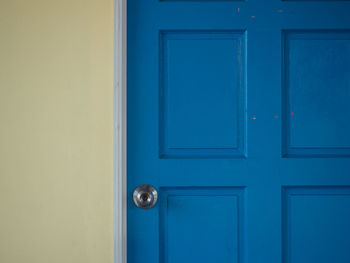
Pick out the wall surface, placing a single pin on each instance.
(56, 133)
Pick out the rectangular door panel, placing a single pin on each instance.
(202, 225)
(317, 93)
(316, 224)
(202, 100)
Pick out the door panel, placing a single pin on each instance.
(314, 218)
(317, 93)
(197, 90)
(202, 216)
(238, 113)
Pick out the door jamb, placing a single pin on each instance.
(120, 194)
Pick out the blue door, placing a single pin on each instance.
(239, 117)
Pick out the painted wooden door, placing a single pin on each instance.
(239, 115)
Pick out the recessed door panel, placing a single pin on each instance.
(316, 224)
(317, 91)
(202, 94)
(202, 224)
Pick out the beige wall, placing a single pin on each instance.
(56, 133)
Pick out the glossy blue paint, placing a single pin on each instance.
(238, 113)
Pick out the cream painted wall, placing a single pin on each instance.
(56, 133)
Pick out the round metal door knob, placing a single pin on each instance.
(145, 196)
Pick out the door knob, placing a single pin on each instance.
(145, 196)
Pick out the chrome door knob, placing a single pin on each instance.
(145, 196)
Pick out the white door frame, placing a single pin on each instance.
(120, 195)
